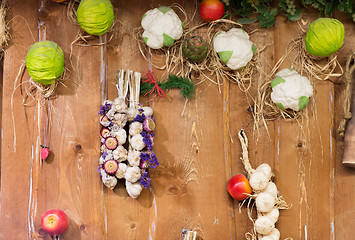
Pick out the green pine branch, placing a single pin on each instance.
(186, 86)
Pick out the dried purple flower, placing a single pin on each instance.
(139, 118)
(99, 170)
(145, 179)
(104, 155)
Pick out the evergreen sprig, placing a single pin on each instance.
(186, 86)
(265, 11)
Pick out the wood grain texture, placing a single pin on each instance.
(198, 151)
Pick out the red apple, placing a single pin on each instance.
(54, 222)
(239, 187)
(211, 10)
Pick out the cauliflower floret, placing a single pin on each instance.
(162, 27)
(291, 90)
(234, 48)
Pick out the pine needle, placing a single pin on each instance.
(186, 86)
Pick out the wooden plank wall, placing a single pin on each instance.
(198, 152)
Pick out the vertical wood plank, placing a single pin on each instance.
(16, 167)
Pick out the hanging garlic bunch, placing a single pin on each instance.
(140, 152)
(267, 199)
(113, 135)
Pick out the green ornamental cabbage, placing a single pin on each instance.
(324, 37)
(45, 62)
(95, 16)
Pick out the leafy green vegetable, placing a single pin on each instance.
(45, 62)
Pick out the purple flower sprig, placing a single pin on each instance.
(150, 158)
(104, 108)
(139, 118)
(147, 139)
(145, 179)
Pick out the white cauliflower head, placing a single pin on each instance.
(234, 48)
(162, 27)
(291, 90)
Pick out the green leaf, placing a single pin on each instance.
(253, 48)
(328, 9)
(167, 40)
(277, 81)
(144, 15)
(164, 9)
(182, 24)
(279, 105)
(225, 55)
(267, 18)
(302, 102)
(246, 20)
(282, 4)
(145, 40)
(295, 16)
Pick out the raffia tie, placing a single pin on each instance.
(157, 90)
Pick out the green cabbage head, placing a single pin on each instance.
(95, 16)
(324, 37)
(45, 62)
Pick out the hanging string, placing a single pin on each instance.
(157, 90)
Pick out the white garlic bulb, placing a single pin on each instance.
(137, 142)
(120, 119)
(133, 189)
(265, 168)
(264, 225)
(273, 214)
(119, 105)
(148, 111)
(135, 128)
(120, 154)
(109, 181)
(265, 202)
(258, 180)
(271, 188)
(122, 167)
(134, 157)
(133, 174)
(274, 235)
(121, 136)
(132, 113)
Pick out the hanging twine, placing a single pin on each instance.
(157, 90)
(245, 159)
(349, 70)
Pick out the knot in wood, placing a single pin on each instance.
(78, 147)
(82, 227)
